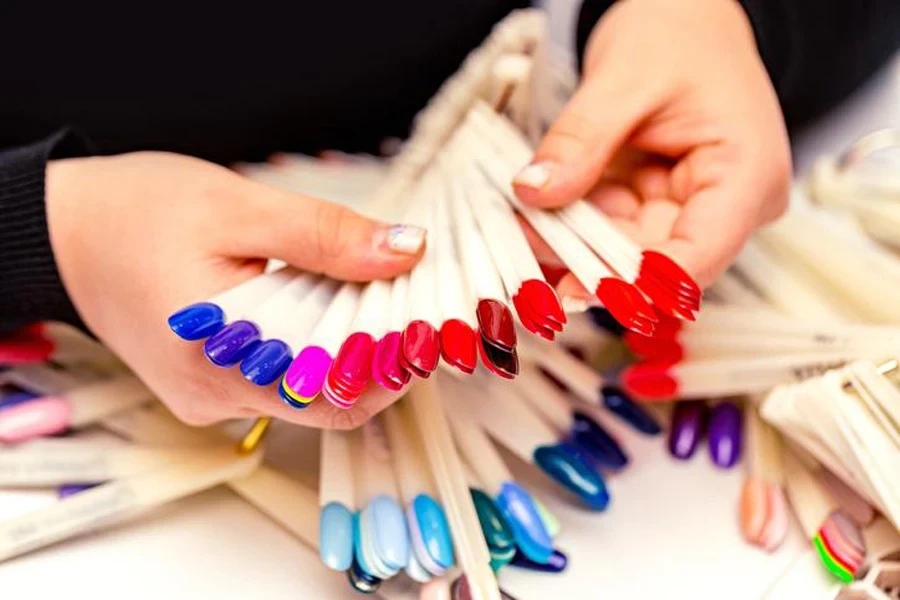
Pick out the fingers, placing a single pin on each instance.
(595, 123)
(322, 237)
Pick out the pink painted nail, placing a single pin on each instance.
(38, 418)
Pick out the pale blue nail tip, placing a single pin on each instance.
(232, 343)
(358, 552)
(336, 536)
(197, 321)
(565, 464)
(435, 530)
(391, 534)
(528, 528)
(267, 362)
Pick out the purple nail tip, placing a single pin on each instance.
(70, 489)
(724, 434)
(231, 344)
(688, 421)
(307, 372)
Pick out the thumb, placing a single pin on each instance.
(323, 237)
(597, 120)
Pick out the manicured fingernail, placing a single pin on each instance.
(306, 375)
(551, 523)
(197, 321)
(496, 323)
(405, 239)
(336, 536)
(535, 175)
(267, 362)
(416, 571)
(495, 528)
(724, 434)
(390, 534)
(70, 489)
(528, 528)
(629, 411)
(556, 564)
(688, 420)
(566, 465)
(420, 348)
(232, 343)
(430, 534)
(361, 581)
(386, 366)
(602, 447)
(37, 418)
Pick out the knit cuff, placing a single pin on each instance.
(30, 286)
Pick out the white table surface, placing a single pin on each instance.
(671, 530)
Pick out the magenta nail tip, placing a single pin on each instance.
(306, 375)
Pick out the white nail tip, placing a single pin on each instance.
(407, 239)
(534, 176)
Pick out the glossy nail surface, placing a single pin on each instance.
(589, 435)
(629, 411)
(386, 361)
(306, 375)
(543, 299)
(353, 364)
(523, 518)
(391, 535)
(458, 345)
(267, 362)
(724, 434)
(402, 238)
(496, 323)
(416, 571)
(336, 536)
(431, 533)
(38, 418)
(627, 305)
(362, 582)
(494, 527)
(16, 399)
(70, 489)
(563, 463)
(556, 564)
(498, 361)
(197, 321)
(23, 349)
(688, 422)
(231, 344)
(421, 347)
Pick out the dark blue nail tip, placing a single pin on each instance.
(17, 398)
(629, 411)
(361, 581)
(267, 362)
(564, 464)
(724, 434)
(232, 343)
(602, 446)
(557, 563)
(525, 521)
(290, 401)
(197, 321)
(604, 320)
(688, 421)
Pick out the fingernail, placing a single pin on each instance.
(629, 411)
(566, 465)
(386, 367)
(556, 564)
(390, 534)
(197, 321)
(725, 434)
(528, 528)
(306, 375)
(267, 362)
(495, 528)
(232, 343)
(687, 427)
(70, 489)
(588, 434)
(535, 175)
(420, 348)
(336, 536)
(430, 534)
(405, 239)
(551, 523)
(37, 418)
(496, 323)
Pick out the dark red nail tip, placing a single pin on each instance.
(496, 323)
(497, 360)
(458, 345)
(421, 348)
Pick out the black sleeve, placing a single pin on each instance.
(30, 287)
(816, 51)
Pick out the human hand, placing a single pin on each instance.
(138, 236)
(675, 132)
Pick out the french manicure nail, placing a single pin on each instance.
(232, 343)
(535, 175)
(405, 239)
(267, 362)
(197, 321)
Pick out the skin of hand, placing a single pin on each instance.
(675, 132)
(138, 236)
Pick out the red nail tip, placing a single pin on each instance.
(458, 345)
(652, 347)
(386, 367)
(650, 379)
(421, 347)
(532, 320)
(543, 299)
(496, 323)
(353, 364)
(498, 361)
(669, 270)
(626, 304)
(25, 349)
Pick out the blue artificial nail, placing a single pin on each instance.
(232, 343)
(629, 411)
(336, 536)
(596, 441)
(70, 489)
(557, 563)
(359, 558)
(430, 534)
(688, 419)
(362, 582)
(267, 362)
(290, 401)
(604, 320)
(415, 571)
(724, 434)
(525, 521)
(197, 321)
(16, 399)
(391, 535)
(565, 464)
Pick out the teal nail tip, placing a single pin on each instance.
(336, 536)
(391, 536)
(197, 321)
(629, 411)
(267, 362)
(523, 517)
(565, 464)
(430, 534)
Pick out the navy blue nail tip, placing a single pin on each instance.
(361, 581)
(629, 411)
(596, 441)
(232, 343)
(290, 401)
(565, 464)
(724, 434)
(267, 362)
(557, 563)
(604, 320)
(197, 321)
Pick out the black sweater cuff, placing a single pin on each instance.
(30, 286)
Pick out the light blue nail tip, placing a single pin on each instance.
(564, 464)
(197, 321)
(358, 552)
(391, 534)
(528, 528)
(435, 530)
(336, 536)
(416, 571)
(367, 537)
(267, 362)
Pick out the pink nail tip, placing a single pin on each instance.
(306, 375)
(353, 363)
(386, 367)
(38, 418)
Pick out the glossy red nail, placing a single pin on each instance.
(531, 318)
(498, 361)
(496, 323)
(627, 305)
(420, 347)
(650, 380)
(669, 270)
(386, 367)
(458, 345)
(543, 299)
(350, 372)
